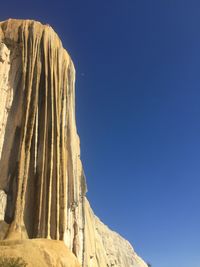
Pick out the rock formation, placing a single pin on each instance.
(42, 182)
(39, 253)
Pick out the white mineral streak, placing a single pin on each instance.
(40, 167)
(3, 200)
(5, 100)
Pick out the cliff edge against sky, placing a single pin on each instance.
(42, 182)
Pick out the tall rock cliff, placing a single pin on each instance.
(42, 182)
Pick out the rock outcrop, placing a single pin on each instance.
(39, 253)
(42, 182)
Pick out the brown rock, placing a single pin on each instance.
(41, 171)
(39, 253)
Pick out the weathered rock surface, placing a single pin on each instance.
(106, 248)
(42, 182)
(39, 252)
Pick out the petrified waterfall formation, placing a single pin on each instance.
(41, 176)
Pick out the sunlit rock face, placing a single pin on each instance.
(42, 181)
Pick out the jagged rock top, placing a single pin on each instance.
(10, 30)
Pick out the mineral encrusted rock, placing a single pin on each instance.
(39, 253)
(42, 182)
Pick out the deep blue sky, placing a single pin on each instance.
(138, 115)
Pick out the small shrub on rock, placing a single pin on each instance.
(12, 262)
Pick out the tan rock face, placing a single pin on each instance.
(39, 253)
(42, 181)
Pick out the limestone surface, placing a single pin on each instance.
(42, 181)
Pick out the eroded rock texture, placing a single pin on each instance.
(42, 181)
(39, 253)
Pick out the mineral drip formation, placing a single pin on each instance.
(42, 182)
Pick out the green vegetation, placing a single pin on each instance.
(12, 262)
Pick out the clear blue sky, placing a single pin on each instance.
(138, 115)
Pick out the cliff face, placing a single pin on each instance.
(41, 176)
